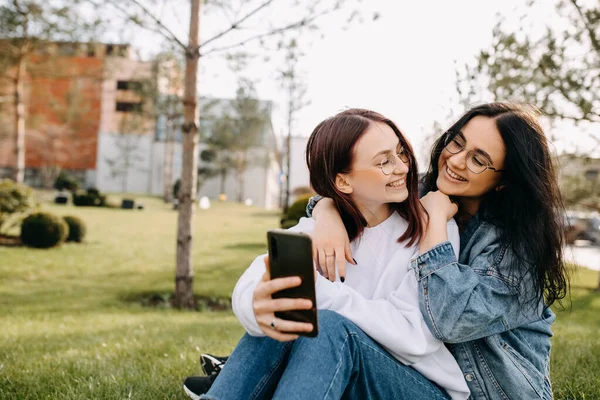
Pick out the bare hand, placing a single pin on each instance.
(265, 306)
(331, 246)
(439, 205)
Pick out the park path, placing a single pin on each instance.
(586, 256)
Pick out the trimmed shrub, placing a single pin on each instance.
(77, 228)
(296, 211)
(89, 198)
(44, 230)
(16, 200)
(65, 181)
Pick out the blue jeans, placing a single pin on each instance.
(341, 362)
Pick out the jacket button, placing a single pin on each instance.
(469, 377)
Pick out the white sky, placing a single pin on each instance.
(402, 65)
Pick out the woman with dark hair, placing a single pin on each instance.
(493, 173)
(373, 341)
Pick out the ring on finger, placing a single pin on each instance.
(273, 324)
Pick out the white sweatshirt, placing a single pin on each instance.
(379, 295)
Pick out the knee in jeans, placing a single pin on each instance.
(331, 322)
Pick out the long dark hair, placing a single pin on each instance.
(529, 209)
(330, 152)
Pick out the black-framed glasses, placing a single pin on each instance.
(477, 163)
(388, 164)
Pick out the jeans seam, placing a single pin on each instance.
(337, 368)
(260, 386)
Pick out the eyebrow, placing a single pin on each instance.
(382, 152)
(480, 151)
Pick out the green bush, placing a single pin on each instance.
(16, 200)
(44, 230)
(89, 198)
(65, 181)
(296, 211)
(77, 229)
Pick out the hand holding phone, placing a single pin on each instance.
(290, 255)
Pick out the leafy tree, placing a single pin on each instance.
(558, 70)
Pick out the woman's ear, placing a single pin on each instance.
(342, 183)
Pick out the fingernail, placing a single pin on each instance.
(354, 261)
(342, 279)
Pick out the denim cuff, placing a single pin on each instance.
(433, 260)
(312, 202)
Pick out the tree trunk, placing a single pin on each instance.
(19, 122)
(184, 274)
(288, 156)
(168, 162)
(223, 178)
(240, 171)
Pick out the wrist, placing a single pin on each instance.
(324, 204)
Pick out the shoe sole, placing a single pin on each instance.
(191, 394)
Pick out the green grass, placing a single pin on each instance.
(67, 333)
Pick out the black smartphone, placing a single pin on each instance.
(290, 254)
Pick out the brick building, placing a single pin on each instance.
(72, 92)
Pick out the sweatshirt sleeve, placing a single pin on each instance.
(243, 294)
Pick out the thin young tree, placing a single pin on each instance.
(295, 89)
(248, 25)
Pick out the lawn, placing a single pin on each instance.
(72, 327)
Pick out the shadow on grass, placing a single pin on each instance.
(247, 246)
(263, 214)
(165, 300)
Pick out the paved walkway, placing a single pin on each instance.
(586, 256)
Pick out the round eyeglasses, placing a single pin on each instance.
(388, 164)
(476, 162)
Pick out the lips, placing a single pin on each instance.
(397, 183)
(454, 175)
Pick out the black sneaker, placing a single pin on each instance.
(212, 365)
(194, 386)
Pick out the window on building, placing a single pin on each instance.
(123, 106)
(129, 85)
(67, 49)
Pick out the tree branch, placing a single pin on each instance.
(588, 28)
(237, 23)
(302, 22)
(162, 29)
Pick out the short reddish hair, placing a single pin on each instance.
(330, 151)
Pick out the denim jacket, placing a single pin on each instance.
(501, 344)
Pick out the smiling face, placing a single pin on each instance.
(481, 136)
(366, 183)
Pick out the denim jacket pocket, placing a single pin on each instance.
(529, 372)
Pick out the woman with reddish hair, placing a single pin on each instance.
(373, 341)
